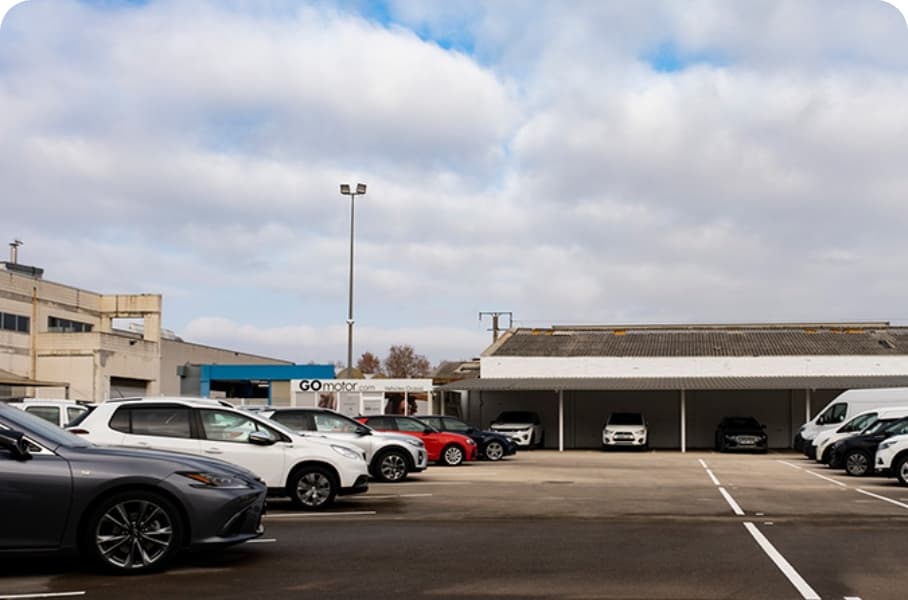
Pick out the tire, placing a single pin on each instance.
(858, 463)
(312, 488)
(900, 468)
(452, 455)
(494, 451)
(541, 443)
(391, 466)
(134, 532)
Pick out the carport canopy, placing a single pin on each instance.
(11, 379)
(682, 384)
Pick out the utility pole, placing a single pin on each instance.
(495, 316)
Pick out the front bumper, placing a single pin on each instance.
(225, 517)
(420, 460)
(522, 438)
(733, 444)
(618, 439)
(359, 486)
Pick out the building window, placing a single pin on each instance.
(59, 325)
(18, 323)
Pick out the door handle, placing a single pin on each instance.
(213, 451)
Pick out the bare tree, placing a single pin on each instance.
(369, 364)
(404, 362)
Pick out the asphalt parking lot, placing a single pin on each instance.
(554, 525)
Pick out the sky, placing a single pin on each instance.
(569, 162)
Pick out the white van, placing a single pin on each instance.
(845, 406)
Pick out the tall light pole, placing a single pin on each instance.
(346, 191)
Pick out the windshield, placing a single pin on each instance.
(878, 426)
(742, 423)
(40, 429)
(625, 419)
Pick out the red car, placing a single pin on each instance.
(446, 448)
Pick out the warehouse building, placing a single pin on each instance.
(60, 341)
(683, 378)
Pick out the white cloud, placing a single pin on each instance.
(543, 166)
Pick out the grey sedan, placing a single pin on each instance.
(130, 511)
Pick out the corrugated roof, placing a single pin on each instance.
(844, 339)
(679, 383)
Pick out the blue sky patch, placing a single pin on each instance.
(668, 58)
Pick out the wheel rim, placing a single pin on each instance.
(453, 455)
(494, 451)
(903, 471)
(313, 489)
(393, 467)
(856, 464)
(134, 534)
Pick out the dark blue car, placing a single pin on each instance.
(492, 445)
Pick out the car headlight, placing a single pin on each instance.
(609, 431)
(640, 431)
(415, 442)
(346, 452)
(216, 480)
(886, 444)
(470, 442)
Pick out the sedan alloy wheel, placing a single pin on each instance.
(494, 450)
(452, 455)
(392, 466)
(312, 488)
(135, 532)
(857, 464)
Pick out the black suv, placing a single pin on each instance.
(492, 445)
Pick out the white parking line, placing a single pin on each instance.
(829, 479)
(883, 498)
(796, 580)
(709, 472)
(415, 495)
(852, 598)
(46, 595)
(731, 502)
(302, 515)
(790, 465)
(262, 541)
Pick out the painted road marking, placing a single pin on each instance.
(46, 595)
(852, 598)
(301, 515)
(883, 498)
(796, 580)
(415, 495)
(709, 472)
(829, 479)
(790, 465)
(731, 502)
(260, 541)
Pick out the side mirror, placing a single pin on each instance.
(428, 430)
(362, 431)
(472, 431)
(261, 438)
(15, 443)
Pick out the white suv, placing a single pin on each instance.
(524, 427)
(391, 456)
(625, 429)
(311, 471)
(892, 458)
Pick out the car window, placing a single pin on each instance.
(226, 426)
(74, 412)
(858, 423)
(454, 425)
(297, 421)
(328, 423)
(518, 417)
(410, 425)
(159, 421)
(381, 422)
(833, 414)
(434, 422)
(51, 414)
(898, 428)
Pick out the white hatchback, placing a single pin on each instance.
(311, 471)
